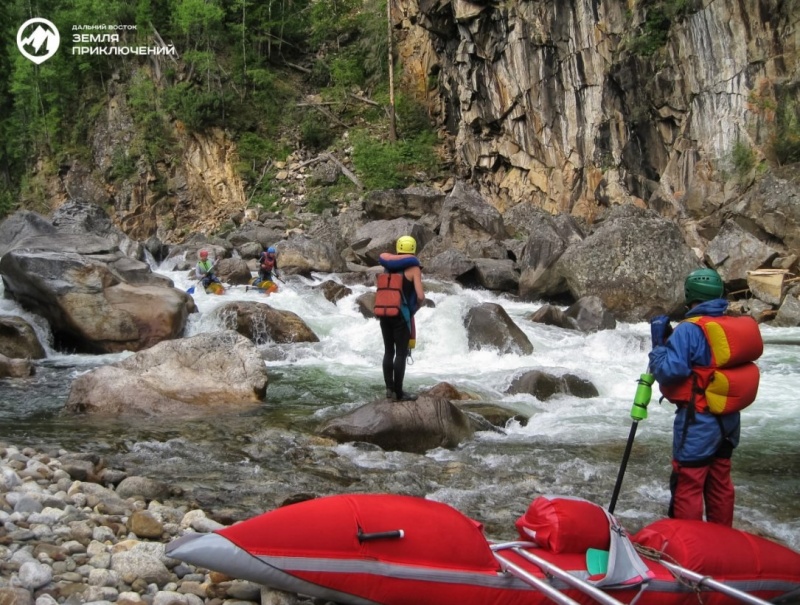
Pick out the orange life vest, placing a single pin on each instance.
(389, 297)
(730, 383)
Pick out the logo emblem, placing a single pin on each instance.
(38, 40)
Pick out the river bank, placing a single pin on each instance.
(75, 531)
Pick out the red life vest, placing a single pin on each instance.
(267, 263)
(389, 297)
(730, 383)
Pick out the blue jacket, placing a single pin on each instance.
(696, 437)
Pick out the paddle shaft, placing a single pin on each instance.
(638, 412)
(623, 466)
(713, 584)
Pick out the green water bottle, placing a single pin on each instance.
(641, 400)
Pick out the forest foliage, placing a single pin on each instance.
(237, 69)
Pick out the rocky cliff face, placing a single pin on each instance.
(579, 104)
(193, 189)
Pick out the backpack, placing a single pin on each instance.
(389, 297)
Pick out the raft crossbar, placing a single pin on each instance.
(555, 571)
(713, 584)
(538, 583)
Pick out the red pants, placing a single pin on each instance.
(712, 483)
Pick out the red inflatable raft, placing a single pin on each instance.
(400, 550)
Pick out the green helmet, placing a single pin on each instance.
(406, 245)
(702, 285)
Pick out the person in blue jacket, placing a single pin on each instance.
(702, 443)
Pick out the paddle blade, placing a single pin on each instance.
(190, 290)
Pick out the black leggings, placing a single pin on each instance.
(395, 350)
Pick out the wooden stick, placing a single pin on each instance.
(344, 170)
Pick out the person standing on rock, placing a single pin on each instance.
(705, 367)
(396, 301)
(204, 271)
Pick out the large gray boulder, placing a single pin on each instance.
(469, 222)
(635, 262)
(377, 237)
(302, 255)
(590, 315)
(85, 277)
(18, 339)
(543, 386)
(419, 203)
(88, 304)
(548, 238)
(450, 264)
(23, 225)
(15, 368)
(408, 426)
(261, 323)
(493, 274)
(734, 252)
(489, 326)
(209, 371)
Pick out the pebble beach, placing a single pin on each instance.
(75, 532)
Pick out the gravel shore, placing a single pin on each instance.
(73, 531)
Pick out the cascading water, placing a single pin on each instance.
(246, 463)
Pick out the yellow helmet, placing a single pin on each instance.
(406, 245)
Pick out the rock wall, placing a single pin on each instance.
(578, 104)
(195, 188)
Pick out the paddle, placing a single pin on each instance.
(641, 400)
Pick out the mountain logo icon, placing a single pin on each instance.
(38, 40)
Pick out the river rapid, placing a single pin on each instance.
(241, 464)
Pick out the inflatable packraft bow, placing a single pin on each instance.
(395, 550)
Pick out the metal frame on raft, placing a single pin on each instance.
(592, 591)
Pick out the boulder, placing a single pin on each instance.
(217, 369)
(450, 264)
(468, 221)
(80, 216)
(635, 262)
(233, 271)
(261, 323)
(93, 300)
(253, 232)
(547, 240)
(18, 339)
(543, 385)
(302, 255)
(333, 291)
(552, 316)
(590, 315)
(734, 252)
(418, 203)
(408, 426)
(489, 326)
(377, 237)
(495, 415)
(495, 274)
(789, 312)
(23, 225)
(15, 368)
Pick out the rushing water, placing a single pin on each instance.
(247, 462)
